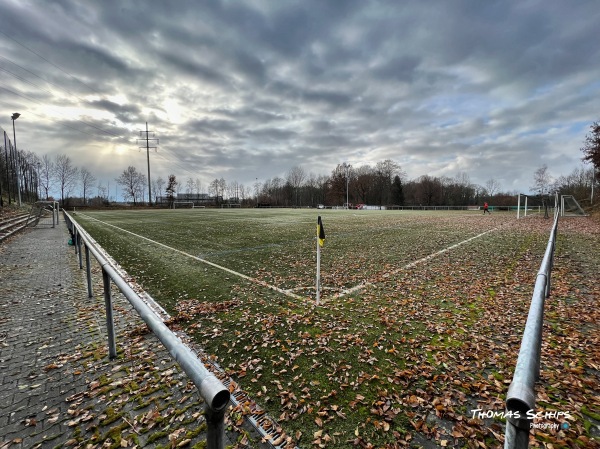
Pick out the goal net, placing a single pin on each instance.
(569, 207)
(183, 204)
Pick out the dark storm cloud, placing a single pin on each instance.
(249, 89)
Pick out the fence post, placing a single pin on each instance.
(110, 323)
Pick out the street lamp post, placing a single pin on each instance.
(15, 116)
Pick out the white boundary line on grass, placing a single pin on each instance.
(412, 264)
(212, 264)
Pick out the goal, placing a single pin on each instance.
(183, 204)
(537, 204)
(569, 207)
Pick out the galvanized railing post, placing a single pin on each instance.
(110, 324)
(88, 270)
(74, 239)
(78, 241)
(516, 437)
(215, 427)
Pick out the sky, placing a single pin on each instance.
(247, 90)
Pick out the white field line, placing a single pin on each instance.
(212, 264)
(412, 264)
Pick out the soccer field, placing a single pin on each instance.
(277, 247)
(421, 316)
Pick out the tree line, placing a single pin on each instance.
(382, 184)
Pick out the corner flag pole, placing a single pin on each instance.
(320, 242)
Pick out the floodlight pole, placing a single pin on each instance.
(15, 116)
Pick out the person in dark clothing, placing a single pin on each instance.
(486, 208)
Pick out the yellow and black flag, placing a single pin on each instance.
(320, 232)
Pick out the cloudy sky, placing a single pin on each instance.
(246, 90)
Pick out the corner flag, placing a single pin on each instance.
(320, 232)
(320, 243)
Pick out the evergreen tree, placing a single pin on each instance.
(397, 191)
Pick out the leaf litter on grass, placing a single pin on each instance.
(407, 361)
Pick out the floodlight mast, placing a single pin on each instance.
(15, 116)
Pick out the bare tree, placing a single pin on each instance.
(102, 191)
(158, 188)
(492, 186)
(388, 169)
(385, 172)
(213, 188)
(87, 180)
(233, 190)
(46, 169)
(244, 192)
(222, 185)
(295, 178)
(133, 183)
(65, 174)
(189, 186)
(541, 180)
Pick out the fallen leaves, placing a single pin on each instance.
(410, 357)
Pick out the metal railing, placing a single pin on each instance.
(520, 398)
(214, 393)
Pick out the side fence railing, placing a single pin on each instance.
(214, 393)
(520, 398)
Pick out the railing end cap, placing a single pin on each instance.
(520, 398)
(214, 393)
